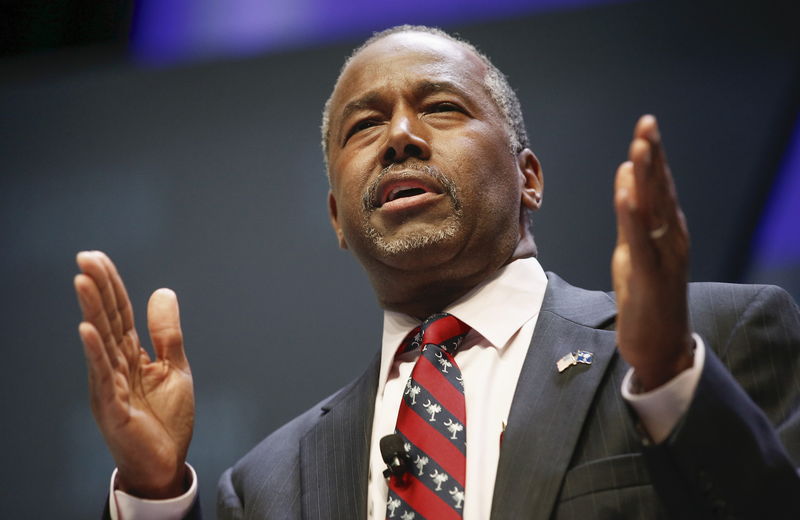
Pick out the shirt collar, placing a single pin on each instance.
(496, 309)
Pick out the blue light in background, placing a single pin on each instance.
(776, 244)
(169, 31)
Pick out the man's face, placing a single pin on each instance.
(419, 158)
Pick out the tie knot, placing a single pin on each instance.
(442, 329)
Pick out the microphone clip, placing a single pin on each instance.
(395, 456)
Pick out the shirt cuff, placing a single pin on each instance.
(123, 506)
(661, 408)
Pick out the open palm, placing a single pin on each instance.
(143, 407)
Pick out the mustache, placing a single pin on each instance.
(370, 196)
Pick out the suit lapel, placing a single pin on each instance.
(549, 407)
(334, 454)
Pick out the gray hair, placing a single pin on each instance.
(496, 84)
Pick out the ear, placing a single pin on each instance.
(531, 178)
(332, 212)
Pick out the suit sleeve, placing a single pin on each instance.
(735, 452)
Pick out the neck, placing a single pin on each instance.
(423, 300)
(421, 293)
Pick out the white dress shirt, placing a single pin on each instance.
(502, 312)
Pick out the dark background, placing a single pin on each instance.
(207, 178)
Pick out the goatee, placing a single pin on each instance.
(414, 240)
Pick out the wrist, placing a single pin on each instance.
(649, 377)
(155, 489)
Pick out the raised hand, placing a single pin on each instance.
(144, 408)
(650, 263)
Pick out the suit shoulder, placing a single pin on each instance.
(735, 288)
(737, 298)
(728, 314)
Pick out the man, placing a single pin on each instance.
(432, 187)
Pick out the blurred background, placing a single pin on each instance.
(181, 136)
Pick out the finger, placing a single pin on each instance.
(624, 196)
(123, 310)
(94, 313)
(163, 322)
(647, 128)
(663, 197)
(91, 263)
(644, 183)
(632, 230)
(100, 371)
(124, 306)
(109, 296)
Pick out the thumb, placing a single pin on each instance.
(163, 322)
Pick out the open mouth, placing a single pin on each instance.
(393, 189)
(401, 193)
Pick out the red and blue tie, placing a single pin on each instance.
(432, 423)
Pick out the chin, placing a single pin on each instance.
(412, 247)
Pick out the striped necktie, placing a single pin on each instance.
(432, 425)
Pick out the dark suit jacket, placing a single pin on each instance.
(572, 448)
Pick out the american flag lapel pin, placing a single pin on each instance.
(566, 362)
(573, 358)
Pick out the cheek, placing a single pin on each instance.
(348, 186)
(349, 205)
(488, 173)
(346, 172)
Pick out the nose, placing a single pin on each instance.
(406, 139)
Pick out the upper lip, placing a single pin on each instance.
(393, 183)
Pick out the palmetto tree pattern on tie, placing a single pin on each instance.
(432, 423)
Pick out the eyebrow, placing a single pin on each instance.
(432, 87)
(368, 100)
(422, 88)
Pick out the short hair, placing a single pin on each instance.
(496, 84)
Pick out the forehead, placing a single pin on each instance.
(405, 59)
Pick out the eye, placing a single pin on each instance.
(445, 106)
(363, 125)
(359, 126)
